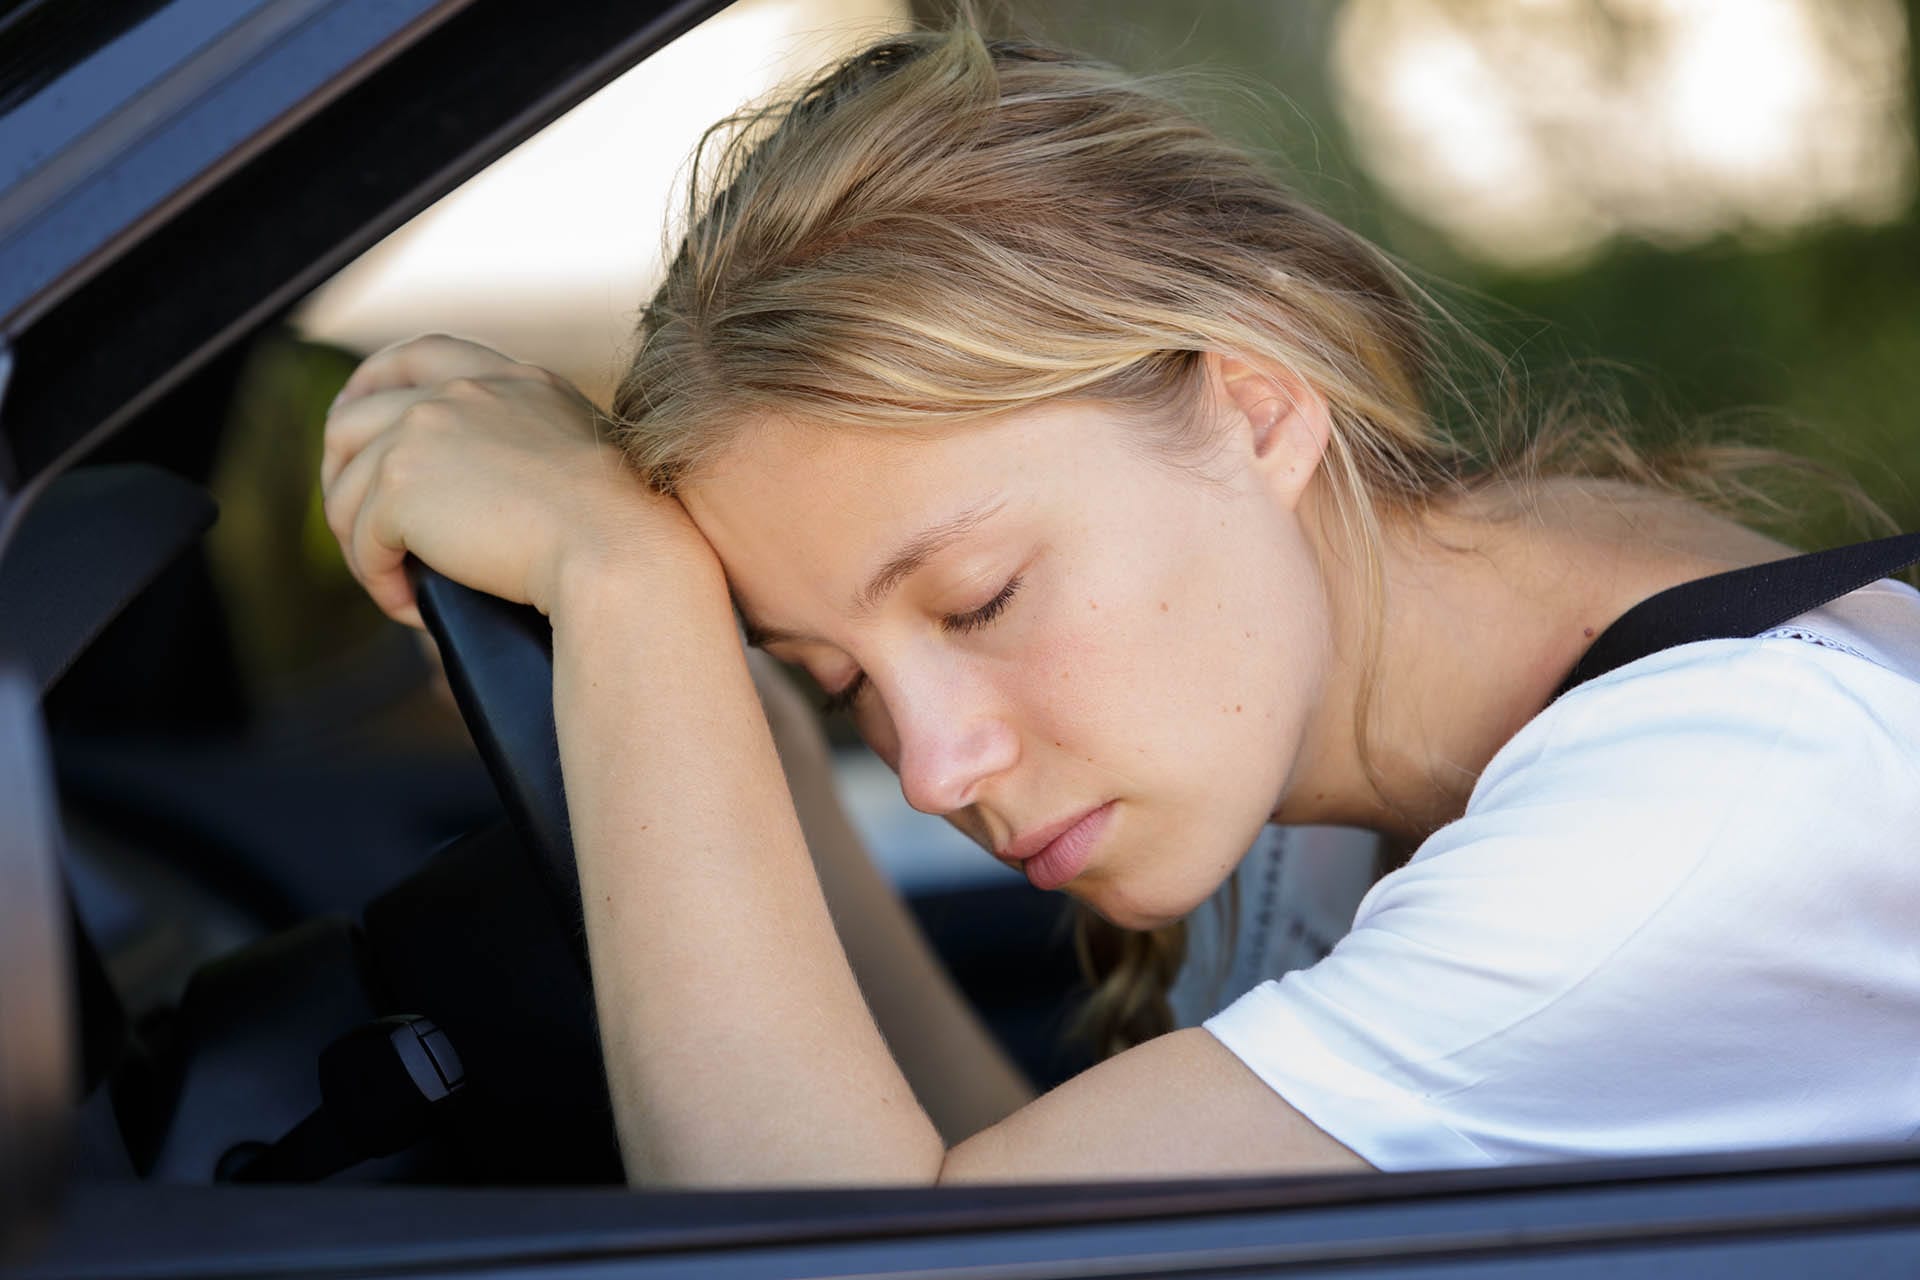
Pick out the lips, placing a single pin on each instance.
(1054, 854)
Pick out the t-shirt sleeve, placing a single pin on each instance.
(1650, 881)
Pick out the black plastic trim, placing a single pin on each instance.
(1798, 1205)
(230, 82)
(36, 1028)
(99, 537)
(434, 113)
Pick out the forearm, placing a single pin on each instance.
(957, 1070)
(738, 1045)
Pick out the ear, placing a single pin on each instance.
(1282, 423)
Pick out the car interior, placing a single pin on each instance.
(252, 883)
(277, 839)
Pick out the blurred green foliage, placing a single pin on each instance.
(291, 602)
(1820, 332)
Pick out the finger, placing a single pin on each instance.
(424, 361)
(342, 498)
(381, 556)
(350, 425)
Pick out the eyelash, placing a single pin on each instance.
(953, 624)
(961, 623)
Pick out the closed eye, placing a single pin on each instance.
(841, 700)
(960, 623)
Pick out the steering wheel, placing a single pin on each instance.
(463, 941)
(499, 661)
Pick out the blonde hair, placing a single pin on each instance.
(944, 228)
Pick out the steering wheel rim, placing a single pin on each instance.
(499, 663)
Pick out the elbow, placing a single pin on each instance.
(948, 1170)
(981, 1158)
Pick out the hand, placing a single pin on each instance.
(493, 472)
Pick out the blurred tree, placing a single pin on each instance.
(298, 616)
(1817, 329)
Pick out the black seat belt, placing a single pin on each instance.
(1741, 603)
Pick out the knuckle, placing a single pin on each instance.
(396, 467)
(389, 352)
(535, 373)
(430, 416)
(466, 388)
(366, 551)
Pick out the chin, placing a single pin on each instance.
(1137, 912)
(1134, 887)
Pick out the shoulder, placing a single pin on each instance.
(1718, 718)
(1721, 758)
(1734, 811)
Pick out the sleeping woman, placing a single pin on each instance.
(1119, 498)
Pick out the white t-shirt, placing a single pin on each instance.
(1290, 899)
(1681, 912)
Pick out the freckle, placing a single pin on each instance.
(1094, 605)
(1163, 606)
(1236, 708)
(1248, 634)
(1059, 744)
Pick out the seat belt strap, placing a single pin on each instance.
(1741, 603)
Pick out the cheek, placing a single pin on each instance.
(1077, 682)
(1108, 692)
(1224, 644)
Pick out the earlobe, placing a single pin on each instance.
(1284, 420)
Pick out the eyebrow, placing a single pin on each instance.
(919, 549)
(900, 566)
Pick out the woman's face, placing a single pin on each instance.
(1046, 631)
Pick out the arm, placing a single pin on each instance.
(737, 1043)
(958, 1071)
(739, 1048)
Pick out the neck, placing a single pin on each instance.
(1487, 607)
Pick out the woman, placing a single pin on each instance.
(1100, 480)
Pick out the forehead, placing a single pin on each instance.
(786, 477)
(814, 501)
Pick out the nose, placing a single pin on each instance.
(949, 740)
